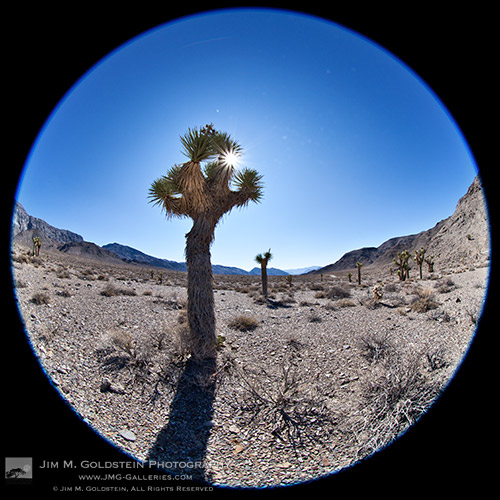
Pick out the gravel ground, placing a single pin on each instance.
(296, 391)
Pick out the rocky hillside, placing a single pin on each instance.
(25, 226)
(460, 240)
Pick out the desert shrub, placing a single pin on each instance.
(21, 259)
(283, 401)
(243, 323)
(375, 347)
(111, 290)
(316, 287)
(37, 261)
(40, 298)
(424, 301)
(337, 292)
(445, 286)
(393, 402)
(345, 303)
(436, 358)
(63, 274)
(315, 318)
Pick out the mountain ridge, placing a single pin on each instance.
(460, 239)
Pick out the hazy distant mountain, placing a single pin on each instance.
(271, 271)
(129, 254)
(461, 239)
(302, 270)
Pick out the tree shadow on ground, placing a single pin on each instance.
(181, 445)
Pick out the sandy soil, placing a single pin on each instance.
(303, 384)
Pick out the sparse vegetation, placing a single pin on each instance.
(424, 301)
(40, 298)
(244, 323)
(445, 286)
(112, 290)
(305, 381)
(375, 346)
(393, 402)
(338, 292)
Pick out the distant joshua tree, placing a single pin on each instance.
(204, 194)
(359, 265)
(430, 263)
(263, 260)
(37, 243)
(402, 263)
(419, 259)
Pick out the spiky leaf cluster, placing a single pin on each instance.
(264, 258)
(208, 183)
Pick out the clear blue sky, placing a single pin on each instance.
(354, 148)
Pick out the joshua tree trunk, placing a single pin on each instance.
(200, 305)
(263, 272)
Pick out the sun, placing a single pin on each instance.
(230, 159)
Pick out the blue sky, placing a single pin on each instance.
(353, 147)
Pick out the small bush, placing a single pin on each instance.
(425, 301)
(345, 303)
(393, 402)
(244, 323)
(315, 318)
(445, 286)
(337, 292)
(375, 347)
(436, 358)
(40, 298)
(112, 290)
(63, 274)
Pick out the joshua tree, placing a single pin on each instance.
(201, 189)
(15, 473)
(430, 263)
(402, 263)
(263, 260)
(349, 277)
(359, 265)
(37, 243)
(419, 258)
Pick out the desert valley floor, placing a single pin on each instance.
(305, 383)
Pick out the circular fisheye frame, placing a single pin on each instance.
(273, 256)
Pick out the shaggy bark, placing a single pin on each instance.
(263, 273)
(200, 304)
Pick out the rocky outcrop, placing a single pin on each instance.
(24, 227)
(460, 240)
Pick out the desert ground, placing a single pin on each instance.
(308, 382)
